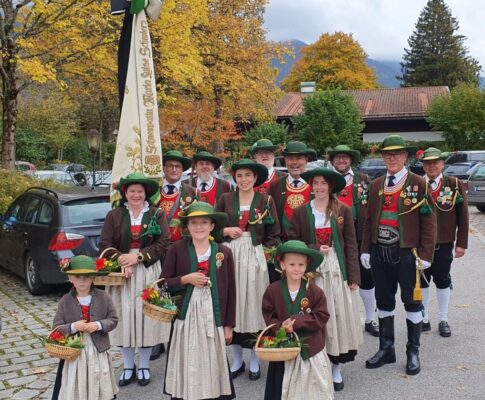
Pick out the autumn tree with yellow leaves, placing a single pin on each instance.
(53, 42)
(334, 61)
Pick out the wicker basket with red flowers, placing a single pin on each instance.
(157, 303)
(116, 276)
(282, 347)
(64, 347)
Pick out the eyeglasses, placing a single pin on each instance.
(392, 155)
(173, 166)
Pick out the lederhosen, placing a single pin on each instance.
(391, 264)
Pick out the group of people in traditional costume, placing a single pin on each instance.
(335, 235)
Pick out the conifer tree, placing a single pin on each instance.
(437, 55)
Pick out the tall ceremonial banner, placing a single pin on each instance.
(138, 146)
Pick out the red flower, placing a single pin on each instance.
(419, 154)
(145, 295)
(100, 263)
(64, 262)
(57, 336)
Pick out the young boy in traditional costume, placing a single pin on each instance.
(202, 272)
(89, 312)
(298, 305)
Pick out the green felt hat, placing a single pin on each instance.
(312, 155)
(432, 153)
(176, 155)
(151, 186)
(394, 143)
(329, 175)
(82, 265)
(344, 149)
(260, 170)
(202, 209)
(295, 148)
(297, 246)
(263, 144)
(206, 156)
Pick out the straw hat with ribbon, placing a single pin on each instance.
(299, 247)
(344, 149)
(259, 169)
(330, 175)
(81, 266)
(201, 209)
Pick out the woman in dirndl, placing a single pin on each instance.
(326, 224)
(136, 234)
(299, 306)
(201, 273)
(252, 225)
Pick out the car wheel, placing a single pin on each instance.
(481, 209)
(32, 277)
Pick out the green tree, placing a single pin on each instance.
(277, 133)
(330, 118)
(437, 54)
(334, 61)
(461, 117)
(30, 146)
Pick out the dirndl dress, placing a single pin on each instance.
(90, 376)
(197, 366)
(252, 279)
(343, 334)
(134, 328)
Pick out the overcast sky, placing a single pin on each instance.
(382, 27)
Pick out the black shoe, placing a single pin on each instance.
(254, 376)
(235, 374)
(426, 327)
(157, 350)
(444, 329)
(386, 353)
(373, 328)
(125, 382)
(338, 386)
(143, 381)
(413, 364)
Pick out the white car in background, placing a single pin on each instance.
(57, 176)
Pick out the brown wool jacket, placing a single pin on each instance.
(177, 264)
(116, 233)
(265, 234)
(416, 230)
(310, 324)
(453, 221)
(302, 228)
(102, 310)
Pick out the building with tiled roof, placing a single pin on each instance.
(384, 111)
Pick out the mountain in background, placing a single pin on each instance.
(386, 71)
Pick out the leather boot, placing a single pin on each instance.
(386, 353)
(413, 366)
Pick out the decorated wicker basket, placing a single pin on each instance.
(113, 278)
(275, 354)
(158, 313)
(62, 352)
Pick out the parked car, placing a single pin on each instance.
(43, 226)
(71, 168)
(58, 176)
(476, 188)
(374, 167)
(461, 170)
(25, 167)
(464, 156)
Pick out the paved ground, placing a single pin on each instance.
(452, 368)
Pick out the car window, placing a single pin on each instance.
(457, 169)
(46, 214)
(376, 162)
(14, 209)
(479, 174)
(86, 211)
(477, 157)
(29, 210)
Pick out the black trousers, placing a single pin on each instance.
(440, 269)
(393, 266)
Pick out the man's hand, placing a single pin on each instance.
(459, 252)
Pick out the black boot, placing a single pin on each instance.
(386, 353)
(413, 365)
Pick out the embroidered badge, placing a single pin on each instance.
(308, 310)
(295, 200)
(340, 220)
(407, 202)
(219, 259)
(188, 199)
(304, 302)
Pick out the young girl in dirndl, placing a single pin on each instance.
(298, 305)
(252, 223)
(90, 312)
(202, 273)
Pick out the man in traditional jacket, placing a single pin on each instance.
(262, 152)
(354, 195)
(175, 194)
(399, 235)
(208, 187)
(291, 191)
(450, 198)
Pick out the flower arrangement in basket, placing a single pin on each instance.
(157, 303)
(115, 276)
(269, 254)
(63, 347)
(282, 347)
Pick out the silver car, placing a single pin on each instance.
(476, 188)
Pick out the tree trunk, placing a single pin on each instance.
(9, 123)
(217, 146)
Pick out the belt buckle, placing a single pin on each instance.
(387, 235)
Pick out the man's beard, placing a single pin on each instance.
(205, 177)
